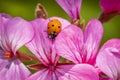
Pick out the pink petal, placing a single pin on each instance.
(108, 59)
(43, 74)
(3, 63)
(20, 72)
(41, 45)
(17, 33)
(66, 72)
(71, 7)
(105, 79)
(92, 37)
(77, 72)
(109, 6)
(4, 18)
(68, 43)
(14, 70)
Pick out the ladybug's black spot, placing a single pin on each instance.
(58, 26)
(52, 25)
(48, 27)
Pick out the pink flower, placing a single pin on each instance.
(43, 48)
(108, 59)
(72, 8)
(14, 33)
(110, 6)
(77, 46)
(110, 9)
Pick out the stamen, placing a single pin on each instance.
(79, 23)
(8, 55)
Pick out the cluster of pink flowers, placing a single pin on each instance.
(79, 47)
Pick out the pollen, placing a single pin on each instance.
(7, 55)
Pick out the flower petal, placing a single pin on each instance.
(67, 72)
(20, 72)
(77, 72)
(4, 18)
(43, 74)
(92, 37)
(72, 7)
(110, 6)
(41, 45)
(108, 59)
(68, 43)
(14, 70)
(35, 44)
(17, 33)
(3, 62)
(105, 79)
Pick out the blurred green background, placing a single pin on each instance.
(90, 9)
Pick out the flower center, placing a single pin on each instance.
(8, 55)
(52, 68)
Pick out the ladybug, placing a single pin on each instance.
(53, 28)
